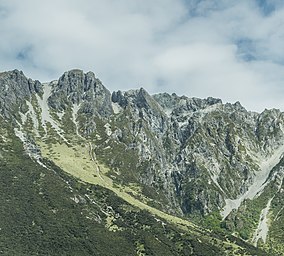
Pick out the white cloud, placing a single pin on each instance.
(228, 49)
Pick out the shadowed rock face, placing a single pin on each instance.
(192, 156)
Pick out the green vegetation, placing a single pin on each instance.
(46, 212)
(133, 183)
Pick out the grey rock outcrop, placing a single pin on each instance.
(15, 88)
(75, 87)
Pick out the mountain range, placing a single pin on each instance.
(86, 171)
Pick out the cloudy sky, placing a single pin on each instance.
(229, 49)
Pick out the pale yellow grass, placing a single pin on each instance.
(79, 162)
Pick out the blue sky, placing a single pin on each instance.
(233, 50)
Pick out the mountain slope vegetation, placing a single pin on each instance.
(89, 172)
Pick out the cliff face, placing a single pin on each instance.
(190, 157)
(14, 88)
(75, 87)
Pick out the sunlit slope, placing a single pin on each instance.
(79, 161)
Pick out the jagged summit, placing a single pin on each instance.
(75, 85)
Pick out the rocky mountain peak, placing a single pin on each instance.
(76, 81)
(15, 88)
(77, 87)
(16, 81)
(73, 85)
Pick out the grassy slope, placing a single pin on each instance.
(48, 212)
(78, 162)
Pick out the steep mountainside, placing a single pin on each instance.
(158, 161)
